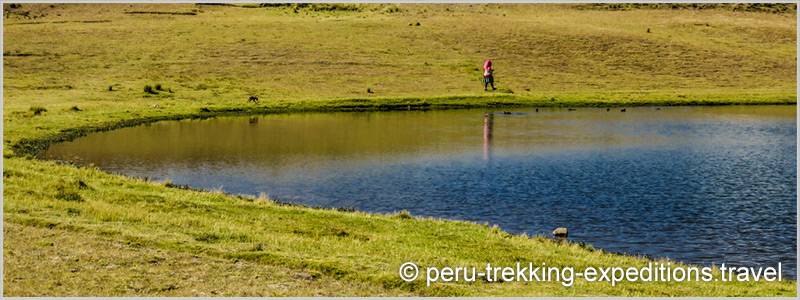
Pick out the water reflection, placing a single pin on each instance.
(696, 184)
(488, 123)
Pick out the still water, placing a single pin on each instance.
(696, 184)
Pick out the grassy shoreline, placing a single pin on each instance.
(99, 211)
(73, 70)
(32, 146)
(353, 248)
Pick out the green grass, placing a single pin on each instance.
(123, 269)
(71, 69)
(355, 248)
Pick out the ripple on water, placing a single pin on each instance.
(695, 184)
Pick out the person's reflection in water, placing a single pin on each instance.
(488, 122)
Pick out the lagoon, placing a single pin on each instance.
(696, 184)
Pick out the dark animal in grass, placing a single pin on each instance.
(622, 110)
(608, 109)
(537, 110)
(506, 112)
(253, 99)
(570, 109)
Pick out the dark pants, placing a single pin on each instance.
(487, 81)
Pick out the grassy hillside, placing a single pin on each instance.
(75, 68)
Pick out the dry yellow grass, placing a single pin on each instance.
(83, 67)
(45, 262)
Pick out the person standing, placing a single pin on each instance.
(488, 78)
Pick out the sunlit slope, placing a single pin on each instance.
(69, 69)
